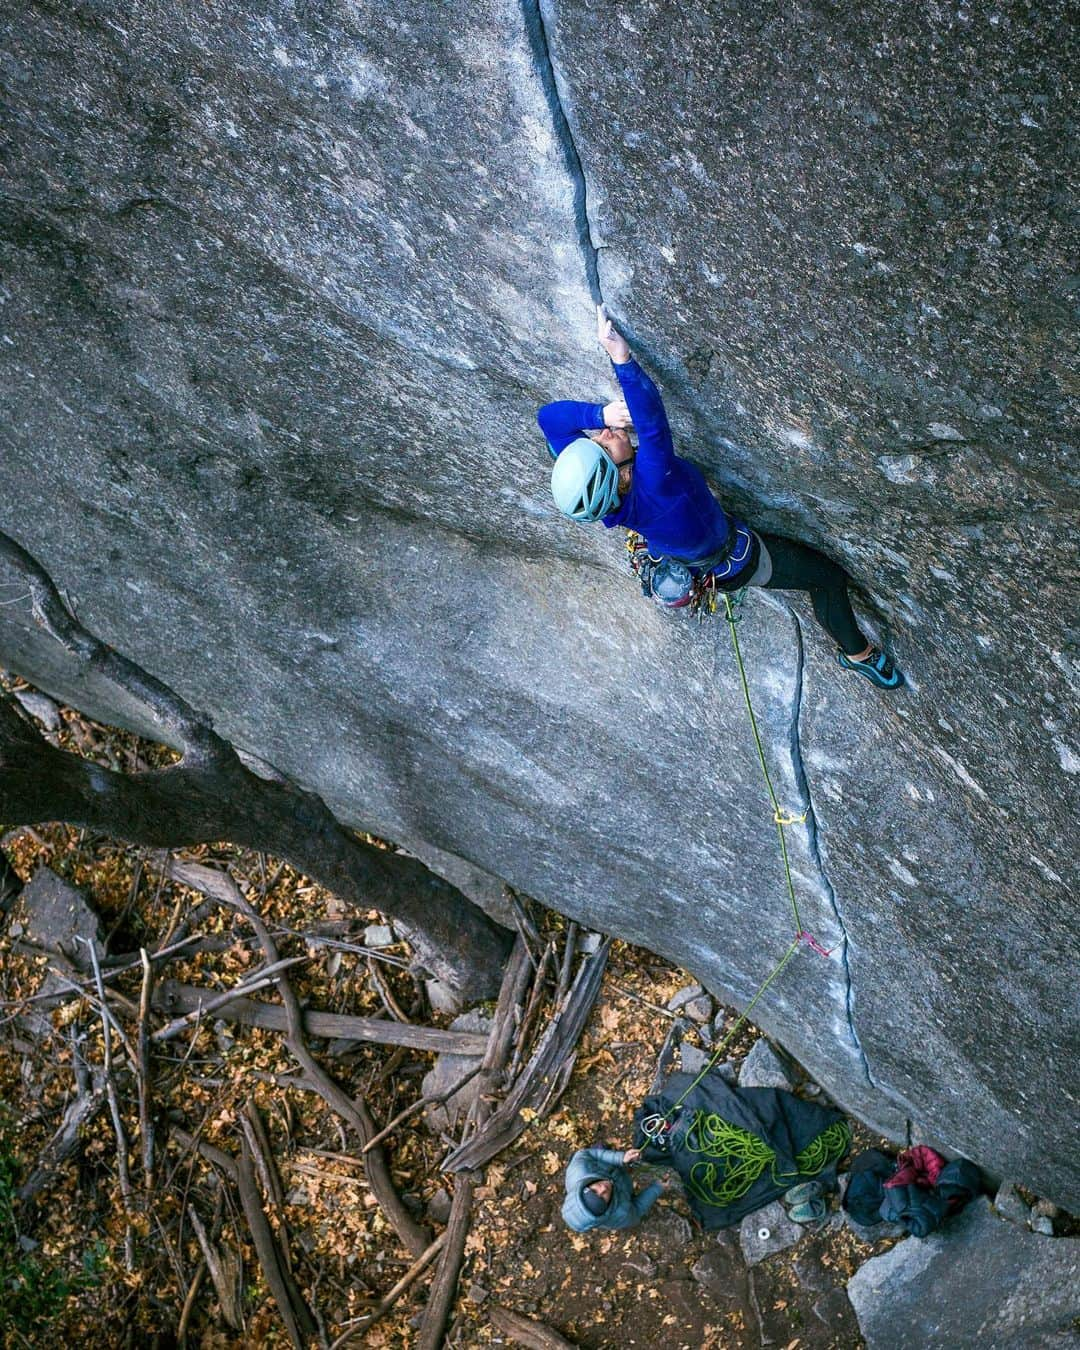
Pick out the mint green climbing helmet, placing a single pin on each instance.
(585, 481)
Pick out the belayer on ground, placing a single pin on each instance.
(691, 544)
(600, 1190)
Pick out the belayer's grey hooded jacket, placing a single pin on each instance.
(604, 1164)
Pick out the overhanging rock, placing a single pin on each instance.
(281, 293)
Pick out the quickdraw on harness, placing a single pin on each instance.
(669, 582)
(733, 1158)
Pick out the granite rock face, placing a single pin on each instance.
(282, 287)
(978, 1281)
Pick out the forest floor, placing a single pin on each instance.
(84, 1261)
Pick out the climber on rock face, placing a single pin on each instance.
(689, 539)
(600, 1190)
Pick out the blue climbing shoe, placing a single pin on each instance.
(877, 668)
(804, 1193)
(812, 1211)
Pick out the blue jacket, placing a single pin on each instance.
(669, 501)
(604, 1164)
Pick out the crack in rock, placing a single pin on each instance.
(536, 28)
(813, 843)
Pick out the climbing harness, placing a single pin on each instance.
(669, 581)
(732, 1158)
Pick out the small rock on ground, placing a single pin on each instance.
(450, 1070)
(762, 1068)
(41, 707)
(683, 996)
(1010, 1204)
(766, 1232)
(378, 935)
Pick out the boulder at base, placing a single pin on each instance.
(977, 1282)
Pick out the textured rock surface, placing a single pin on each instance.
(450, 1070)
(762, 1068)
(979, 1281)
(766, 1232)
(282, 287)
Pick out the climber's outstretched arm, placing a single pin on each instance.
(656, 450)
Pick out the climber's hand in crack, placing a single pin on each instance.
(617, 414)
(610, 338)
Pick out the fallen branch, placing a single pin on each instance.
(567, 962)
(444, 1285)
(143, 1074)
(174, 997)
(546, 1074)
(262, 979)
(415, 1237)
(66, 1139)
(114, 1112)
(295, 1313)
(385, 993)
(435, 1099)
(189, 1304)
(224, 1274)
(532, 1009)
(360, 1324)
(527, 1331)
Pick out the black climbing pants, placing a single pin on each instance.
(795, 567)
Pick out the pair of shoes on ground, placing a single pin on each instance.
(806, 1202)
(877, 668)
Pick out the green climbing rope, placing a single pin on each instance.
(782, 820)
(733, 1158)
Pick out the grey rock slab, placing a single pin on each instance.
(274, 335)
(56, 915)
(763, 1068)
(438, 1207)
(699, 1009)
(766, 1232)
(1042, 1225)
(40, 706)
(977, 1281)
(692, 1059)
(682, 998)
(834, 1309)
(448, 1071)
(1010, 1205)
(378, 935)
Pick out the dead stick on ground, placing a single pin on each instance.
(114, 1111)
(66, 1139)
(295, 1313)
(142, 1047)
(223, 1279)
(413, 1235)
(385, 993)
(525, 926)
(435, 1099)
(173, 997)
(360, 1324)
(259, 1146)
(189, 1304)
(444, 1285)
(527, 1331)
(567, 962)
(521, 1040)
(260, 980)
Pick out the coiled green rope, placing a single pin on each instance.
(733, 1158)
